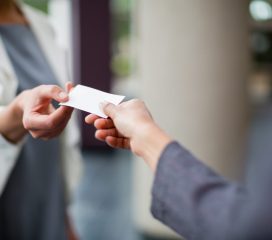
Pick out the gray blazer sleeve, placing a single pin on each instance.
(198, 204)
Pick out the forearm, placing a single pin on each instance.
(11, 126)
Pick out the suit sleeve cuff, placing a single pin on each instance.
(165, 177)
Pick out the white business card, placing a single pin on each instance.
(88, 99)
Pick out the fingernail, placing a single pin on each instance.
(63, 95)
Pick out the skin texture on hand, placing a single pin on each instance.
(130, 126)
(32, 111)
(124, 118)
(40, 118)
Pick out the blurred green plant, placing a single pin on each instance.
(121, 23)
(39, 4)
(121, 6)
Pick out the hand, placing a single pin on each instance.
(131, 126)
(33, 112)
(39, 117)
(126, 120)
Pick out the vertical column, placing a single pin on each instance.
(92, 50)
(193, 65)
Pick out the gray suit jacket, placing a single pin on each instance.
(199, 204)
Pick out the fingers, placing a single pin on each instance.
(40, 118)
(90, 119)
(34, 120)
(107, 132)
(60, 114)
(52, 92)
(109, 109)
(102, 134)
(49, 134)
(69, 86)
(118, 142)
(45, 134)
(99, 123)
(103, 123)
(112, 138)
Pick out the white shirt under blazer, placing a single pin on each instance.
(58, 61)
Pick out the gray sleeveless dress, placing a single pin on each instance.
(32, 206)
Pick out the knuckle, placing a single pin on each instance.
(53, 89)
(136, 101)
(139, 101)
(26, 123)
(47, 89)
(26, 93)
(41, 88)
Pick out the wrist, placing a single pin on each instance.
(16, 109)
(11, 124)
(149, 142)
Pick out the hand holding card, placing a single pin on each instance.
(88, 99)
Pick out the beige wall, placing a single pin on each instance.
(192, 65)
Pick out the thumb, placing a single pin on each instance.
(109, 109)
(53, 92)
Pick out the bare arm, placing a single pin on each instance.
(11, 125)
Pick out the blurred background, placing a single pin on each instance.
(203, 67)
